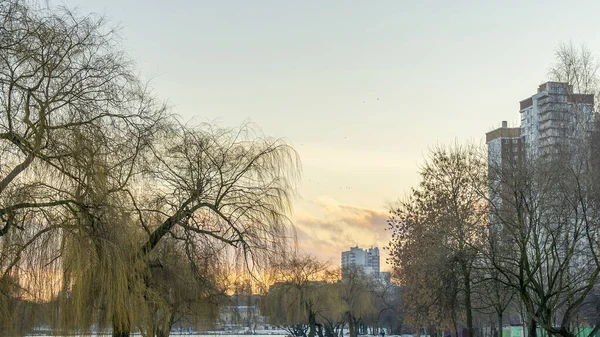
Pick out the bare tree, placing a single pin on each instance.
(543, 207)
(357, 297)
(388, 304)
(548, 221)
(438, 231)
(576, 66)
(300, 287)
(65, 89)
(491, 292)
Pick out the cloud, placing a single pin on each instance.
(333, 227)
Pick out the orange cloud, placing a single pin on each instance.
(332, 227)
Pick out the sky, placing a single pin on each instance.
(361, 89)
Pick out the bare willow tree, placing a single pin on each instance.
(227, 184)
(357, 297)
(185, 285)
(95, 177)
(300, 293)
(73, 116)
(213, 188)
(226, 187)
(66, 90)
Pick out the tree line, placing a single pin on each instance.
(310, 299)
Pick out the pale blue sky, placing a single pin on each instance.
(360, 88)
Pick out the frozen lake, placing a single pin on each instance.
(178, 334)
(274, 333)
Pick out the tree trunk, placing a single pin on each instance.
(162, 333)
(311, 324)
(165, 331)
(594, 331)
(468, 308)
(120, 330)
(353, 328)
(329, 330)
(500, 334)
(320, 330)
(532, 330)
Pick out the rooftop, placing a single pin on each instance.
(503, 132)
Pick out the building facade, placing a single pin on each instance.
(367, 259)
(531, 171)
(555, 118)
(504, 144)
(551, 119)
(505, 149)
(553, 122)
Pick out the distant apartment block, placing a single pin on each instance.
(367, 259)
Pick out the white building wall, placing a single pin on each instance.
(368, 259)
(566, 123)
(495, 152)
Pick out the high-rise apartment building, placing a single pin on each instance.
(551, 119)
(503, 144)
(538, 183)
(505, 147)
(555, 117)
(367, 259)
